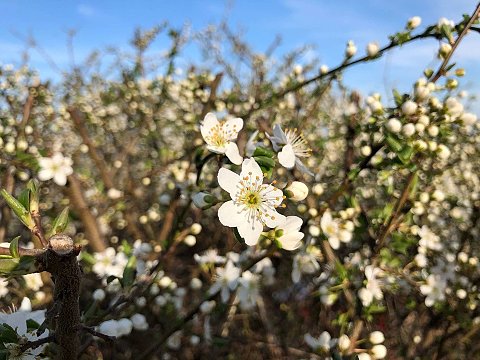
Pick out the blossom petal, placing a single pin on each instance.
(45, 174)
(60, 178)
(233, 154)
(303, 168)
(216, 149)
(232, 127)
(271, 194)
(291, 241)
(250, 230)
(292, 223)
(228, 181)
(229, 215)
(252, 170)
(279, 134)
(334, 242)
(286, 157)
(272, 218)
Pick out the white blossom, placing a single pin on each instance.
(56, 167)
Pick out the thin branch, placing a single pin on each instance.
(444, 64)
(22, 251)
(37, 343)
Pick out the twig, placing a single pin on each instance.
(36, 343)
(100, 335)
(22, 251)
(444, 64)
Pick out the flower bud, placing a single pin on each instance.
(379, 351)
(376, 337)
(351, 49)
(372, 49)
(394, 125)
(343, 342)
(414, 22)
(203, 200)
(296, 191)
(409, 107)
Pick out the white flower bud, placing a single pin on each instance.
(351, 49)
(364, 356)
(461, 294)
(314, 230)
(139, 322)
(379, 351)
(438, 195)
(114, 194)
(433, 130)
(444, 50)
(207, 306)
(98, 295)
(409, 107)
(195, 229)
(196, 284)
(376, 337)
(424, 120)
(190, 240)
(394, 125)
(297, 191)
(323, 69)
(443, 152)
(317, 189)
(372, 49)
(408, 129)
(414, 22)
(366, 150)
(343, 342)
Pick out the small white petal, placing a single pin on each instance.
(229, 214)
(251, 169)
(233, 154)
(209, 122)
(291, 241)
(250, 231)
(334, 242)
(228, 180)
(286, 157)
(216, 149)
(45, 174)
(232, 127)
(60, 179)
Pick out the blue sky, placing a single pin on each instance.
(325, 24)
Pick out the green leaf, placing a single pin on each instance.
(261, 151)
(393, 143)
(130, 271)
(341, 271)
(24, 199)
(265, 162)
(405, 154)
(32, 325)
(34, 198)
(18, 209)
(59, 224)
(8, 334)
(14, 247)
(18, 266)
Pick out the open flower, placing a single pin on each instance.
(291, 146)
(289, 233)
(56, 167)
(219, 135)
(253, 203)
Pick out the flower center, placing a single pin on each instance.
(298, 142)
(217, 135)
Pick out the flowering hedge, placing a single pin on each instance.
(264, 211)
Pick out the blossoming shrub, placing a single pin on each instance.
(260, 212)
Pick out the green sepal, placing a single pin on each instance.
(130, 272)
(14, 247)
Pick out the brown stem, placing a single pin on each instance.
(92, 231)
(79, 122)
(37, 343)
(66, 273)
(22, 251)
